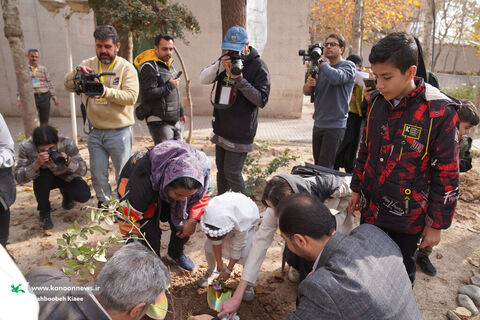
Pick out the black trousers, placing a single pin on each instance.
(229, 170)
(153, 234)
(4, 225)
(76, 190)
(325, 143)
(347, 151)
(42, 102)
(408, 246)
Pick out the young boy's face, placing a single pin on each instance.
(464, 128)
(391, 82)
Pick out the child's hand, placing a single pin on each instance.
(224, 276)
(430, 237)
(353, 203)
(188, 228)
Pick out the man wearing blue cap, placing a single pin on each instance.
(242, 87)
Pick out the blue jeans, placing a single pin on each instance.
(102, 144)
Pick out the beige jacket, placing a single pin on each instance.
(121, 94)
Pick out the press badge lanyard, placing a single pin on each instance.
(102, 79)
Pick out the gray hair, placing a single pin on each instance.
(32, 50)
(133, 275)
(105, 32)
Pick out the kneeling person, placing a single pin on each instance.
(52, 161)
(229, 223)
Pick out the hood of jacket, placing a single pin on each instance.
(149, 55)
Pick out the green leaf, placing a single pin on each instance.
(61, 242)
(72, 263)
(68, 271)
(82, 274)
(99, 229)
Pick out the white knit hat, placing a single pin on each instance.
(229, 211)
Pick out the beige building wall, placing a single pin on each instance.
(47, 34)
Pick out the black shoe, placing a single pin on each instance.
(100, 204)
(67, 204)
(47, 223)
(426, 265)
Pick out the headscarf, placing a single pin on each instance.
(172, 160)
(229, 211)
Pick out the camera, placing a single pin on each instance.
(57, 157)
(313, 53)
(237, 58)
(87, 83)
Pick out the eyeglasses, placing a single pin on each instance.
(330, 44)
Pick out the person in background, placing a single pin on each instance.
(347, 152)
(7, 183)
(42, 87)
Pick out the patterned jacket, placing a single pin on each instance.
(407, 166)
(28, 153)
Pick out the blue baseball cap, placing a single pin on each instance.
(235, 39)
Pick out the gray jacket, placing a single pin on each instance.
(361, 277)
(28, 153)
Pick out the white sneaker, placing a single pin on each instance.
(293, 275)
(249, 293)
(204, 281)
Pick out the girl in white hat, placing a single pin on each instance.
(229, 223)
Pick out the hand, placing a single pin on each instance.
(311, 82)
(67, 158)
(224, 276)
(188, 228)
(430, 237)
(201, 317)
(57, 104)
(84, 69)
(41, 159)
(230, 306)
(367, 93)
(175, 82)
(227, 63)
(353, 203)
(183, 119)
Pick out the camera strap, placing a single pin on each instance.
(215, 84)
(83, 108)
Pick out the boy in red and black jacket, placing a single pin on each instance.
(406, 175)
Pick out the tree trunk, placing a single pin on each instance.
(356, 45)
(126, 46)
(428, 33)
(234, 13)
(189, 96)
(14, 34)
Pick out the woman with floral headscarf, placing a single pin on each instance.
(167, 183)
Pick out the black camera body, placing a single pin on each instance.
(312, 54)
(56, 157)
(89, 84)
(237, 58)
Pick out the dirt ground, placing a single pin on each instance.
(456, 258)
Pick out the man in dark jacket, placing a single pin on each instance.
(239, 94)
(159, 89)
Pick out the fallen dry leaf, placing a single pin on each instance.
(473, 263)
(45, 262)
(263, 290)
(439, 255)
(46, 245)
(47, 232)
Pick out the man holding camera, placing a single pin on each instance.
(52, 161)
(110, 115)
(242, 87)
(332, 88)
(159, 81)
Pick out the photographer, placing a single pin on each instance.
(160, 107)
(332, 88)
(239, 94)
(111, 114)
(52, 161)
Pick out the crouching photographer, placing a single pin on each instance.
(52, 161)
(242, 83)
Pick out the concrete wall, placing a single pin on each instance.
(47, 34)
(287, 32)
